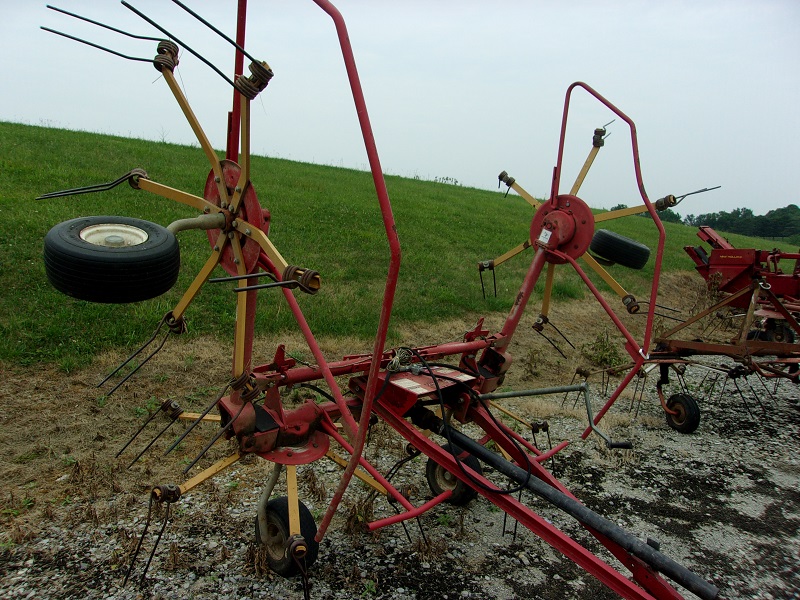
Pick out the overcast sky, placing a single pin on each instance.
(460, 90)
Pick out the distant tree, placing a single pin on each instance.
(618, 207)
(779, 223)
(670, 216)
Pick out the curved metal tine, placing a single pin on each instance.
(291, 284)
(135, 435)
(766, 389)
(214, 439)
(157, 542)
(98, 46)
(197, 420)
(153, 441)
(99, 24)
(135, 354)
(140, 365)
(238, 277)
(561, 334)
(749, 385)
(215, 30)
(747, 406)
(552, 343)
(139, 545)
(88, 189)
(182, 44)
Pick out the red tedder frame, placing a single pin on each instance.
(395, 385)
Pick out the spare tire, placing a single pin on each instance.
(113, 260)
(616, 248)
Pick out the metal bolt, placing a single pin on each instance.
(235, 223)
(236, 261)
(223, 204)
(216, 248)
(230, 235)
(206, 210)
(217, 179)
(238, 189)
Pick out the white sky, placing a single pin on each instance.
(454, 89)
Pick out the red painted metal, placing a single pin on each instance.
(234, 123)
(562, 228)
(731, 269)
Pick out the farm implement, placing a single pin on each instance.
(431, 396)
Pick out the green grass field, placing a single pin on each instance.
(324, 218)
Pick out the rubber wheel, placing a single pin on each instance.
(619, 249)
(272, 530)
(113, 260)
(688, 418)
(440, 479)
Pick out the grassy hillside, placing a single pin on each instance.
(324, 218)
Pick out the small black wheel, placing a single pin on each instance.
(688, 417)
(112, 260)
(615, 248)
(440, 479)
(272, 530)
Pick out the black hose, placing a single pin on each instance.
(424, 418)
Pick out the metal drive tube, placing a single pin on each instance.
(539, 392)
(678, 573)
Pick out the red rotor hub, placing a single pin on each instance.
(249, 210)
(566, 225)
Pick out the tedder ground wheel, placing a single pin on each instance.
(272, 530)
(440, 479)
(688, 417)
(111, 259)
(619, 249)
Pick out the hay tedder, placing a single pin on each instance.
(430, 395)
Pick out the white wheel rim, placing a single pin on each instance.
(113, 235)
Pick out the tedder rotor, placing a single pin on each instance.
(423, 393)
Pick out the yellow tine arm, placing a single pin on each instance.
(217, 467)
(511, 253)
(204, 274)
(169, 77)
(294, 499)
(262, 240)
(177, 195)
(622, 212)
(584, 170)
(598, 268)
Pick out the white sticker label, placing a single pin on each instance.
(544, 237)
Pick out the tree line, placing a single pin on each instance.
(781, 223)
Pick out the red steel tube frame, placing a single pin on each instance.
(394, 261)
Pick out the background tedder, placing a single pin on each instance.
(431, 396)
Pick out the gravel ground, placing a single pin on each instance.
(723, 501)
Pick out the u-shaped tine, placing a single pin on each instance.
(214, 439)
(140, 365)
(135, 354)
(139, 544)
(157, 542)
(197, 420)
(153, 441)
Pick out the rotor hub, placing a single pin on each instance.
(565, 224)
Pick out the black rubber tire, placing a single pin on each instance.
(276, 537)
(619, 249)
(82, 259)
(688, 418)
(440, 479)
